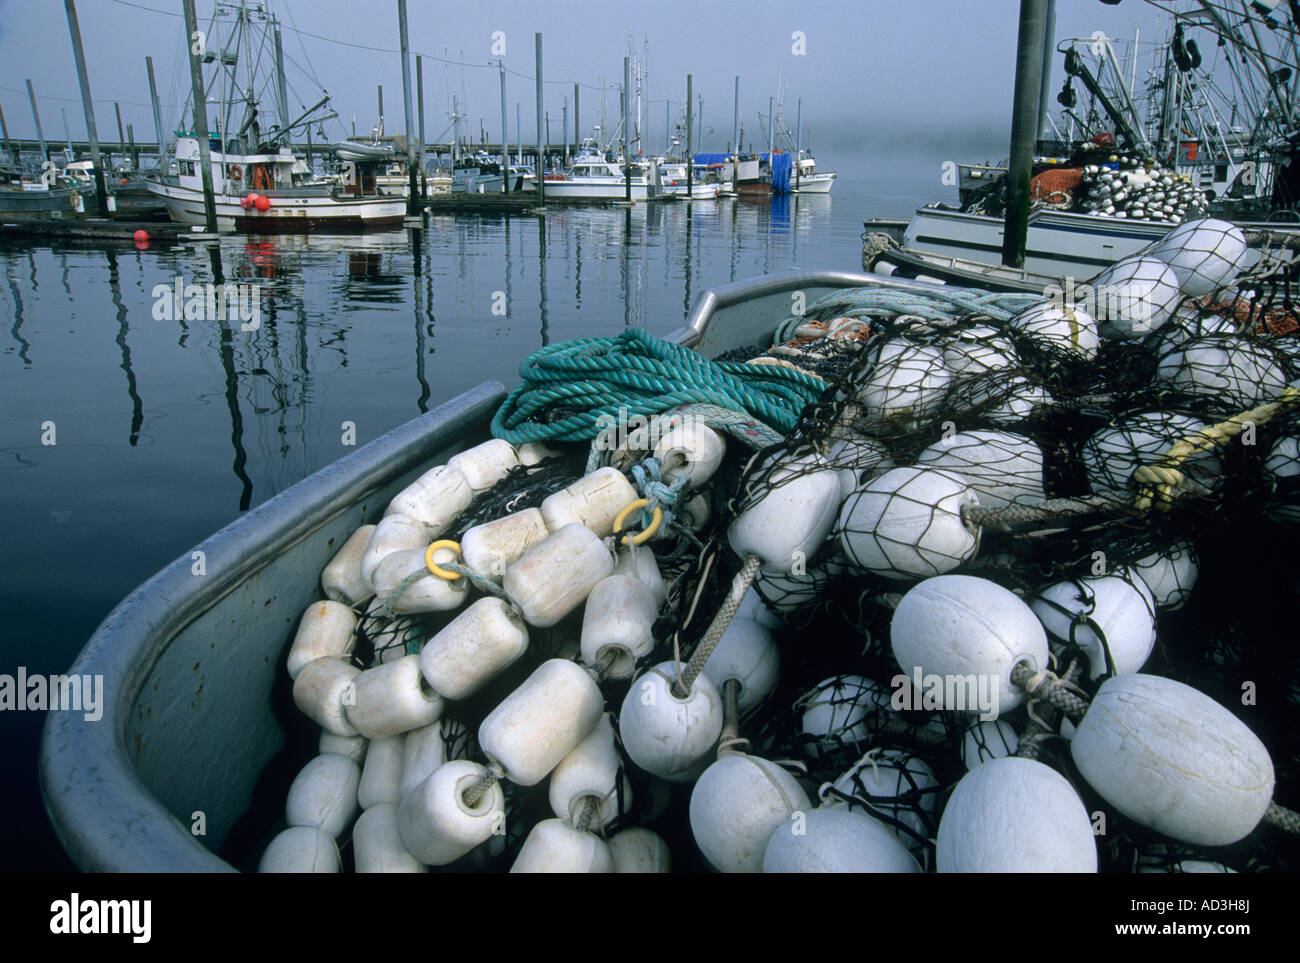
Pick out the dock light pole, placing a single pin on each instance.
(157, 113)
(541, 157)
(200, 118)
(627, 134)
(36, 116)
(505, 150)
(83, 79)
(690, 138)
(413, 190)
(1024, 126)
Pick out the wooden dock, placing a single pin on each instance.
(96, 229)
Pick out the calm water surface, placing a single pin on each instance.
(165, 430)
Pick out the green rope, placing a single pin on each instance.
(602, 380)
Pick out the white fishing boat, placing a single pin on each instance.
(673, 181)
(598, 180)
(290, 206)
(809, 180)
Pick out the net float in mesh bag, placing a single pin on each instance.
(897, 788)
(787, 592)
(1003, 468)
(837, 712)
(1058, 327)
(906, 383)
(835, 839)
(1206, 254)
(1170, 574)
(1015, 815)
(736, 805)
(990, 739)
(1189, 322)
(1135, 296)
(1174, 760)
(967, 629)
(1225, 375)
(1112, 455)
(1110, 618)
(855, 458)
(909, 523)
(788, 523)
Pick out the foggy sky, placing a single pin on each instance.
(876, 74)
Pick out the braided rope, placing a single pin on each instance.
(1287, 820)
(1159, 481)
(1047, 510)
(605, 380)
(1046, 686)
(739, 586)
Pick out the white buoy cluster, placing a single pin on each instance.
(982, 729)
(1144, 193)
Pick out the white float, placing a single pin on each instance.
(381, 773)
(978, 350)
(539, 723)
(424, 750)
(1205, 254)
(1058, 327)
(1228, 375)
(747, 653)
(324, 795)
(320, 690)
(991, 739)
(1174, 760)
(640, 563)
(554, 847)
(301, 849)
(533, 452)
(354, 747)
(667, 736)
(1015, 815)
(1123, 612)
(594, 501)
(789, 522)
(393, 698)
(1112, 455)
(424, 591)
(1003, 468)
(885, 776)
(855, 458)
(908, 523)
(1170, 575)
(591, 769)
(394, 533)
(692, 449)
(555, 576)
(435, 823)
(341, 579)
(491, 547)
(959, 626)
(484, 465)
(473, 648)
(1135, 296)
(435, 499)
(736, 806)
(619, 616)
(376, 845)
(326, 629)
(906, 384)
(639, 850)
(835, 839)
(836, 710)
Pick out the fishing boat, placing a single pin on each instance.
(28, 196)
(290, 207)
(594, 179)
(809, 180)
(197, 705)
(674, 183)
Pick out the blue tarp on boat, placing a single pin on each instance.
(782, 168)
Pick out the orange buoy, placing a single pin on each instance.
(262, 203)
(141, 236)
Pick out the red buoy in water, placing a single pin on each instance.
(141, 238)
(262, 203)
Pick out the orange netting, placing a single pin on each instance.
(1051, 181)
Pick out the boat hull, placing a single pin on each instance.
(592, 190)
(814, 183)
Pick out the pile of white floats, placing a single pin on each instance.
(1141, 193)
(415, 789)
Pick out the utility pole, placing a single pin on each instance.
(1029, 66)
(200, 117)
(83, 79)
(541, 156)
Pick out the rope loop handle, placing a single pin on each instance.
(433, 567)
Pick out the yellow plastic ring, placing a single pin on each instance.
(436, 569)
(641, 537)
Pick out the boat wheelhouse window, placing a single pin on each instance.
(187, 168)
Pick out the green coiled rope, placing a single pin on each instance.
(604, 381)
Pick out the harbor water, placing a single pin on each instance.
(131, 431)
